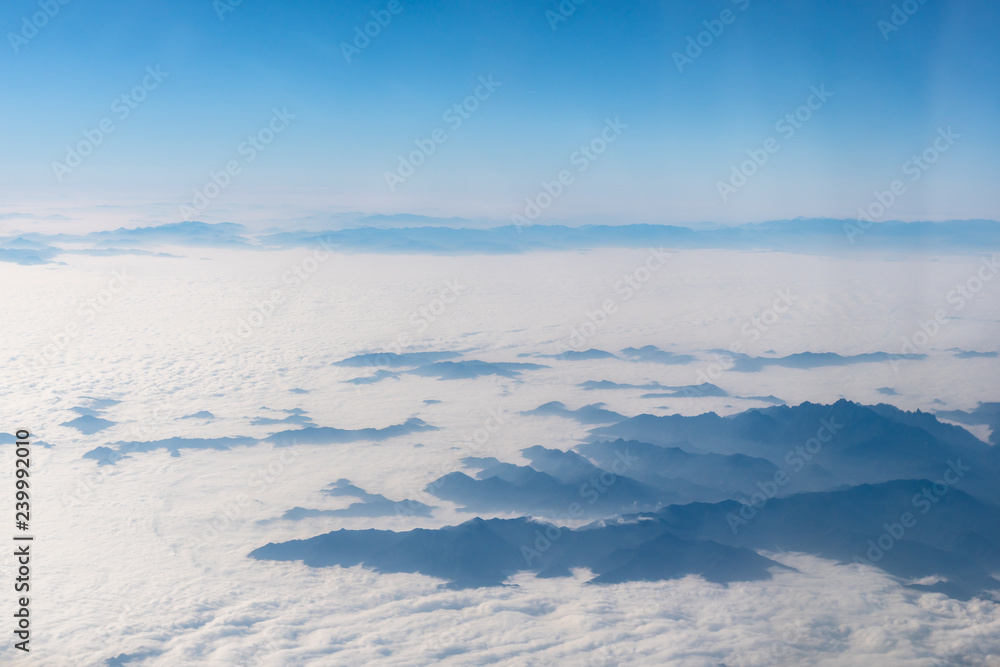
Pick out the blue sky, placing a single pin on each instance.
(892, 91)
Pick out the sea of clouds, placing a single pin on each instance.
(144, 562)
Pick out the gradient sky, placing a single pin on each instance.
(608, 59)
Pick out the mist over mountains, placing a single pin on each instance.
(665, 497)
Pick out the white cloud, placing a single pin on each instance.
(123, 570)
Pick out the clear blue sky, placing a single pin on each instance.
(608, 59)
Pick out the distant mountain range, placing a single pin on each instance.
(821, 236)
(670, 496)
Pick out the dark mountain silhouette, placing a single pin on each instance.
(955, 536)
(931, 513)
(588, 414)
(486, 552)
(109, 456)
(587, 492)
(707, 477)
(805, 360)
(392, 360)
(957, 539)
(464, 370)
(318, 435)
(202, 414)
(579, 355)
(665, 391)
(88, 424)
(705, 389)
(986, 413)
(323, 435)
(368, 505)
(377, 376)
(656, 355)
(864, 444)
